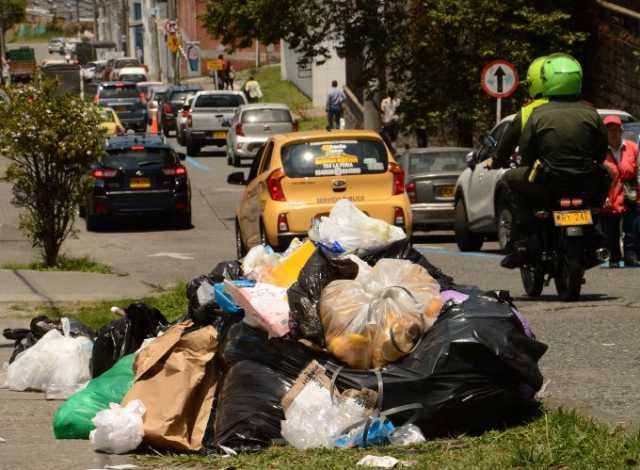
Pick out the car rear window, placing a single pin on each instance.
(120, 64)
(334, 158)
(119, 92)
(437, 161)
(134, 159)
(266, 115)
(181, 95)
(133, 78)
(219, 101)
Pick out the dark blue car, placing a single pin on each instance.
(127, 101)
(139, 175)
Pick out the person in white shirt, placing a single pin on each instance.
(389, 117)
(252, 90)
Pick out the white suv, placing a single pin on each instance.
(480, 209)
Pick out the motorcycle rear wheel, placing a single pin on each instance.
(532, 279)
(568, 280)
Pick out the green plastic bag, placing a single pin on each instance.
(73, 418)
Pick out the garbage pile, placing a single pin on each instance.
(350, 338)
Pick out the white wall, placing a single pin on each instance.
(289, 70)
(333, 69)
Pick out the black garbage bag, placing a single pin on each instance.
(209, 312)
(304, 295)
(39, 326)
(248, 410)
(474, 369)
(125, 335)
(403, 249)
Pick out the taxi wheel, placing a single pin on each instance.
(241, 251)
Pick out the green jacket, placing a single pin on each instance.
(568, 136)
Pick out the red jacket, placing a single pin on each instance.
(623, 171)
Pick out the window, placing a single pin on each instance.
(137, 11)
(255, 116)
(334, 158)
(266, 158)
(219, 101)
(437, 162)
(119, 92)
(133, 160)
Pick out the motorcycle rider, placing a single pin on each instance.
(562, 146)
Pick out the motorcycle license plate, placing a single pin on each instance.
(568, 218)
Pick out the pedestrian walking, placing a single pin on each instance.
(389, 117)
(621, 162)
(222, 77)
(335, 100)
(252, 90)
(631, 218)
(230, 75)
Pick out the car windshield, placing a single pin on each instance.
(158, 95)
(219, 101)
(119, 92)
(134, 159)
(334, 158)
(133, 78)
(437, 161)
(266, 115)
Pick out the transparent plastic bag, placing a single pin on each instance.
(406, 435)
(259, 262)
(118, 429)
(379, 317)
(353, 229)
(57, 364)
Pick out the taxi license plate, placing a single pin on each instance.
(445, 191)
(139, 183)
(566, 218)
(220, 135)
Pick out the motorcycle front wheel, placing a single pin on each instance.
(532, 279)
(568, 280)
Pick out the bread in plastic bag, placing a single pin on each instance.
(57, 364)
(118, 429)
(353, 229)
(378, 318)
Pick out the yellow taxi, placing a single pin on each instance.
(298, 177)
(110, 122)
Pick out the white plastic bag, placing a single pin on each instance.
(259, 261)
(353, 229)
(57, 364)
(408, 434)
(118, 430)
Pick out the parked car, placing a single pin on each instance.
(480, 208)
(631, 131)
(210, 118)
(111, 122)
(70, 45)
(138, 176)
(296, 178)
(114, 66)
(56, 45)
(183, 116)
(126, 101)
(252, 125)
(171, 104)
(92, 70)
(431, 174)
(132, 74)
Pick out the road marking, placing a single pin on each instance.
(181, 256)
(444, 251)
(196, 164)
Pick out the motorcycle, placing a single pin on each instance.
(563, 245)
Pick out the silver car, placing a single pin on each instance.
(252, 125)
(430, 175)
(480, 209)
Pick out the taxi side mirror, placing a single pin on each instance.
(237, 178)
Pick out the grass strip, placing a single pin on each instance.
(65, 263)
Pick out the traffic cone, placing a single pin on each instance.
(154, 123)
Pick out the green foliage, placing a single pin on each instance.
(65, 263)
(51, 141)
(558, 439)
(12, 12)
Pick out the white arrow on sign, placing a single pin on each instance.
(181, 256)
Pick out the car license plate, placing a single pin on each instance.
(139, 183)
(565, 218)
(119, 108)
(220, 135)
(445, 191)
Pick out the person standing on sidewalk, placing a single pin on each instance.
(389, 117)
(335, 99)
(621, 163)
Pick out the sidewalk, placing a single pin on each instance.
(48, 286)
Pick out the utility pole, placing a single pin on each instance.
(125, 27)
(173, 16)
(2, 54)
(78, 10)
(96, 32)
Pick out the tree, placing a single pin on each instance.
(12, 12)
(51, 142)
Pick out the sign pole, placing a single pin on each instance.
(498, 110)
(215, 79)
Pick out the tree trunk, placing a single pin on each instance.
(51, 250)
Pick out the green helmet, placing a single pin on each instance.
(561, 75)
(534, 78)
